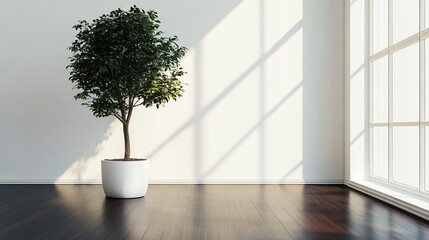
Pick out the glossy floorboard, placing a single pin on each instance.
(202, 212)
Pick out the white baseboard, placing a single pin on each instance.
(247, 181)
(391, 199)
(50, 181)
(178, 181)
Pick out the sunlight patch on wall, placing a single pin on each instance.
(358, 89)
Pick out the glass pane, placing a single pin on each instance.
(405, 19)
(406, 84)
(426, 13)
(380, 90)
(380, 9)
(427, 78)
(406, 155)
(427, 158)
(380, 151)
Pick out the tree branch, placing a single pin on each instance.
(130, 108)
(121, 59)
(123, 111)
(137, 103)
(119, 117)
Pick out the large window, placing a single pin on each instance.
(399, 94)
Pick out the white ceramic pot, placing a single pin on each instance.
(125, 179)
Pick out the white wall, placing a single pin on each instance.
(356, 77)
(265, 100)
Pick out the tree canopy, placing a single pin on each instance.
(121, 60)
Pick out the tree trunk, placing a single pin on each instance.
(127, 142)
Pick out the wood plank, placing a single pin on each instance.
(202, 212)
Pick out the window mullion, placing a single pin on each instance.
(422, 61)
(390, 90)
(371, 111)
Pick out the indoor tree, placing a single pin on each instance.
(122, 60)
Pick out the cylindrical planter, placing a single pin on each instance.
(125, 179)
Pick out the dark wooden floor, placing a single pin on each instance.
(202, 212)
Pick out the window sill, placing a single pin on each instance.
(406, 201)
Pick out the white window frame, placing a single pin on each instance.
(418, 38)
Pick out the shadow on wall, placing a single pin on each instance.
(323, 100)
(263, 95)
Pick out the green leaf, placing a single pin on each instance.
(122, 55)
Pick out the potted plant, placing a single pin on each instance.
(120, 61)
